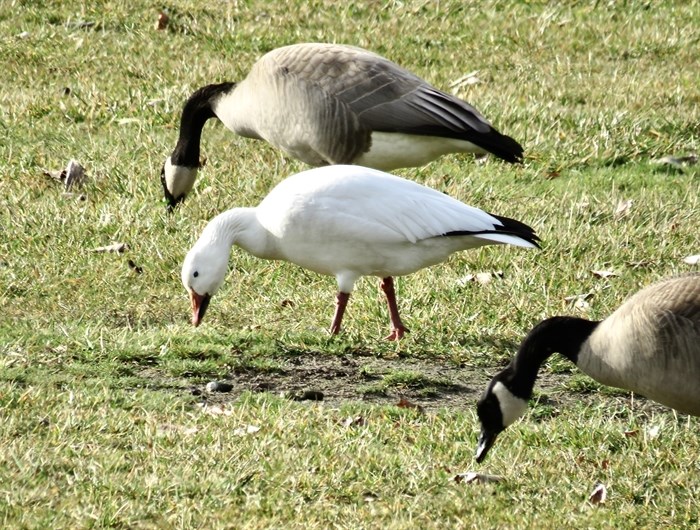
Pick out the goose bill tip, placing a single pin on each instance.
(486, 440)
(200, 303)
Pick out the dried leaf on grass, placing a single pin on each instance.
(623, 208)
(582, 459)
(354, 421)
(604, 273)
(653, 431)
(127, 121)
(114, 247)
(216, 410)
(640, 264)
(220, 410)
(580, 301)
(582, 305)
(574, 297)
(167, 428)
(467, 79)
(162, 21)
(599, 494)
(244, 431)
(73, 176)
(482, 278)
(474, 477)
(406, 404)
(75, 196)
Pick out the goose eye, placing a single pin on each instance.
(196, 273)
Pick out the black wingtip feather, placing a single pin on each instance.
(508, 226)
(518, 228)
(500, 145)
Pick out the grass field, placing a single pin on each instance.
(102, 376)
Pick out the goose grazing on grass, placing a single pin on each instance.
(347, 222)
(332, 104)
(650, 345)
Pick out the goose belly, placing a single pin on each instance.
(366, 259)
(395, 150)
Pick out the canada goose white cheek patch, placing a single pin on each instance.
(512, 407)
(179, 179)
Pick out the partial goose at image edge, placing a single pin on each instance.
(650, 345)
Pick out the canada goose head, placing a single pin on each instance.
(203, 273)
(180, 169)
(505, 399)
(177, 182)
(498, 408)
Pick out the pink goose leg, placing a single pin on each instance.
(397, 328)
(341, 302)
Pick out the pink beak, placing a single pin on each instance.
(199, 306)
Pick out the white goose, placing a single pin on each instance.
(346, 222)
(650, 345)
(333, 104)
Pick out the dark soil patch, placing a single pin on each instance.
(342, 379)
(336, 380)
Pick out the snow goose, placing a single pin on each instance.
(333, 104)
(650, 345)
(346, 222)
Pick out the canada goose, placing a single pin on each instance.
(332, 104)
(650, 345)
(347, 222)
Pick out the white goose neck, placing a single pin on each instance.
(240, 227)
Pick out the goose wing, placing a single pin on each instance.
(352, 203)
(384, 97)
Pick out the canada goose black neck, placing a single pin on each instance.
(197, 110)
(505, 399)
(563, 335)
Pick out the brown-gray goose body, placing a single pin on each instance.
(650, 345)
(334, 104)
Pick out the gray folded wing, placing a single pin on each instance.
(381, 96)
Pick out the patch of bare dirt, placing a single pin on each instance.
(341, 379)
(335, 380)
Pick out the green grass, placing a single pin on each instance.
(99, 426)
(404, 379)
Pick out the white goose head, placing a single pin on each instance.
(203, 273)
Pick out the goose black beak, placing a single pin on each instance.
(486, 440)
(200, 302)
(170, 199)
